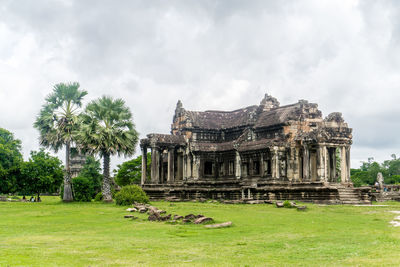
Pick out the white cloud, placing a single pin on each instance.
(211, 55)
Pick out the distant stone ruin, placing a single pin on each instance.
(265, 151)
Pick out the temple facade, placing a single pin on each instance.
(262, 151)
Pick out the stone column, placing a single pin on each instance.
(155, 165)
(321, 163)
(184, 160)
(170, 177)
(196, 167)
(188, 166)
(262, 165)
(144, 165)
(343, 165)
(162, 178)
(238, 171)
(179, 173)
(275, 169)
(348, 163)
(306, 164)
(290, 164)
(296, 165)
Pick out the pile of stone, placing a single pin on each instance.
(156, 214)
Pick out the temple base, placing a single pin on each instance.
(315, 192)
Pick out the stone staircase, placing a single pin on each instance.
(351, 195)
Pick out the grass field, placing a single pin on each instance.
(95, 234)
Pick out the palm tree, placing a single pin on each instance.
(107, 129)
(57, 124)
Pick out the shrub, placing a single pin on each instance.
(286, 204)
(130, 194)
(82, 189)
(98, 197)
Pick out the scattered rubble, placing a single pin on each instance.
(155, 214)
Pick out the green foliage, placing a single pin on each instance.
(367, 173)
(107, 129)
(130, 194)
(82, 188)
(394, 179)
(57, 120)
(287, 204)
(360, 178)
(98, 197)
(91, 170)
(42, 173)
(130, 172)
(10, 160)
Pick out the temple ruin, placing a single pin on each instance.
(265, 151)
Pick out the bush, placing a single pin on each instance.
(130, 194)
(82, 189)
(286, 204)
(98, 197)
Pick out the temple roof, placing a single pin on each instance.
(212, 119)
(277, 116)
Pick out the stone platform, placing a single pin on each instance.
(315, 192)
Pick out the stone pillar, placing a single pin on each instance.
(321, 163)
(144, 165)
(162, 178)
(326, 164)
(296, 166)
(184, 161)
(196, 166)
(155, 165)
(332, 164)
(179, 171)
(238, 171)
(343, 165)
(290, 164)
(170, 177)
(261, 165)
(189, 166)
(306, 164)
(348, 163)
(276, 169)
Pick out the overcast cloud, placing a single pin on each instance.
(343, 55)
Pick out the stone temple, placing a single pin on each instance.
(263, 152)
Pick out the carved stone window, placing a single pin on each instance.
(208, 168)
(256, 168)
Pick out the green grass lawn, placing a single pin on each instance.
(52, 233)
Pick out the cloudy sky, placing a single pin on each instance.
(343, 55)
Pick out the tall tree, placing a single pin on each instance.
(42, 173)
(107, 129)
(57, 124)
(10, 160)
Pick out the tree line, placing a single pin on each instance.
(366, 174)
(103, 128)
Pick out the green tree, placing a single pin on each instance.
(130, 172)
(57, 124)
(107, 129)
(10, 160)
(42, 173)
(91, 171)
